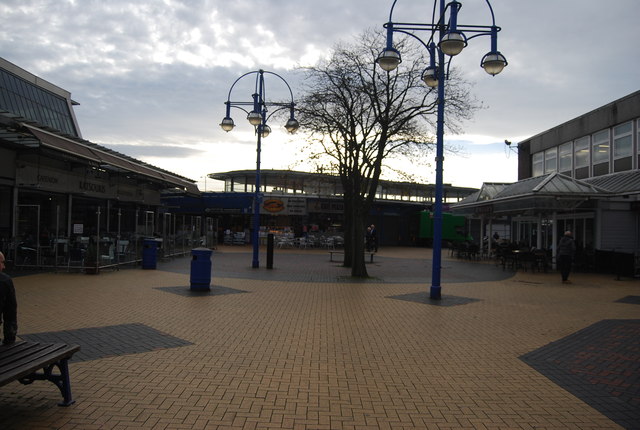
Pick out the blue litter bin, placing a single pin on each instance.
(201, 269)
(149, 254)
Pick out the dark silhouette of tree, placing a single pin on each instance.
(358, 116)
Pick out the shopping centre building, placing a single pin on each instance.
(60, 193)
(582, 176)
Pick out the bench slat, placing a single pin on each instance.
(26, 362)
(24, 358)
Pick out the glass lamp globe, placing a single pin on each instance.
(227, 124)
(430, 76)
(254, 118)
(452, 43)
(389, 59)
(292, 125)
(493, 63)
(264, 130)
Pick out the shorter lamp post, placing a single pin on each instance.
(446, 37)
(258, 117)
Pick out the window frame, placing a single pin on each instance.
(565, 152)
(617, 137)
(603, 143)
(537, 159)
(549, 155)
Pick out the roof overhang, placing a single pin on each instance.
(109, 160)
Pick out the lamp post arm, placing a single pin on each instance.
(282, 79)
(236, 81)
(426, 45)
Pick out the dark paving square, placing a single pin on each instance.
(424, 298)
(600, 365)
(215, 290)
(101, 342)
(634, 300)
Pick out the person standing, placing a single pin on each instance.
(566, 251)
(8, 306)
(374, 238)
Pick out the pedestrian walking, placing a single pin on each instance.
(566, 252)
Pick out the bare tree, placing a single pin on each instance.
(358, 116)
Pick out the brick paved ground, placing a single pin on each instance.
(302, 347)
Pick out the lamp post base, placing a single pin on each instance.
(435, 293)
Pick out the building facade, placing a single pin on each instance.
(299, 204)
(583, 176)
(60, 192)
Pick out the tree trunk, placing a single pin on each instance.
(348, 232)
(358, 268)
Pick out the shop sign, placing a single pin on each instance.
(297, 206)
(273, 205)
(284, 206)
(92, 187)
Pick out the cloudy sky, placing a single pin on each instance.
(151, 76)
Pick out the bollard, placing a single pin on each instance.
(270, 251)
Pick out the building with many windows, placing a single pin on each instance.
(60, 192)
(583, 176)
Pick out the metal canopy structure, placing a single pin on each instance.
(553, 192)
(26, 135)
(323, 184)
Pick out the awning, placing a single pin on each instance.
(108, 159)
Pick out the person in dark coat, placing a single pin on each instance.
(8, 306)
(374, 238)
(566, 251)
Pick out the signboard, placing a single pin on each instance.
(284, 206)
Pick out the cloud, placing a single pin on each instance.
(156, 73)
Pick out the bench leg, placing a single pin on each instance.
(62, 381)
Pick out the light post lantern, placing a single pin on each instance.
(258, 117)
(446, 38)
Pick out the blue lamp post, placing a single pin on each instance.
(258, 117)
(446, 39)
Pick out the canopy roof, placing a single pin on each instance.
(545, 193)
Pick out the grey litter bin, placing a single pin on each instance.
(149, 253)
(201, 269)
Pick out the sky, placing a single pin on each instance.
(152, 76)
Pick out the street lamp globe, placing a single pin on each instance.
(452, 43)
(227, 124)
(254, 118)
(493, 63)
(264, 130)
(389, 59)
(430, 76)
(292, 125)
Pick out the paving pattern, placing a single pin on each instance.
(302, 346)
(600, 365)
(101, 342)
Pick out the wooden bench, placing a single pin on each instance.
(30, 361)
(370, 254)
